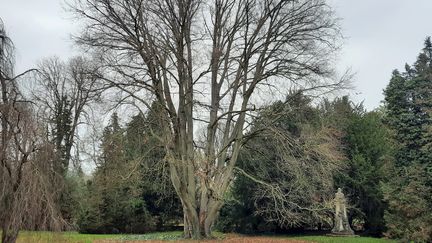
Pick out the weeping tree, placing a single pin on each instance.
(63, 92)
(207, 64)
(291, 157)
(26, 191)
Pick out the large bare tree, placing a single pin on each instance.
(63, 92)
(207, 64)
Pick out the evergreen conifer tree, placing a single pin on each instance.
(408, 99)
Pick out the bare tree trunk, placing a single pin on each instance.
(207, 217)
(199, 210)
(9, 236)
(187, 232)
(197, 227)
(9, 233)
(191, 215)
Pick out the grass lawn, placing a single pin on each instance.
(63, 237)
(74, 237)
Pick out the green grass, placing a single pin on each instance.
(74, 237)
(61, 237)
(171, 235)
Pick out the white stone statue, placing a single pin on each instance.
(341, 223)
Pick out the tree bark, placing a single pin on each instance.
(187, 233)
(9, 237)
(200, 213)
(200, 227)
(9, 233)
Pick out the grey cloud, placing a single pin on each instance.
(381, 35)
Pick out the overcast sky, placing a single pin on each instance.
(381, 35)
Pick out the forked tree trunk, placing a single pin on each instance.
(196, 211)
(201, 186)
(201, 203)
(198, 222)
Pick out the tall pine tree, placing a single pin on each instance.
(408, 99)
